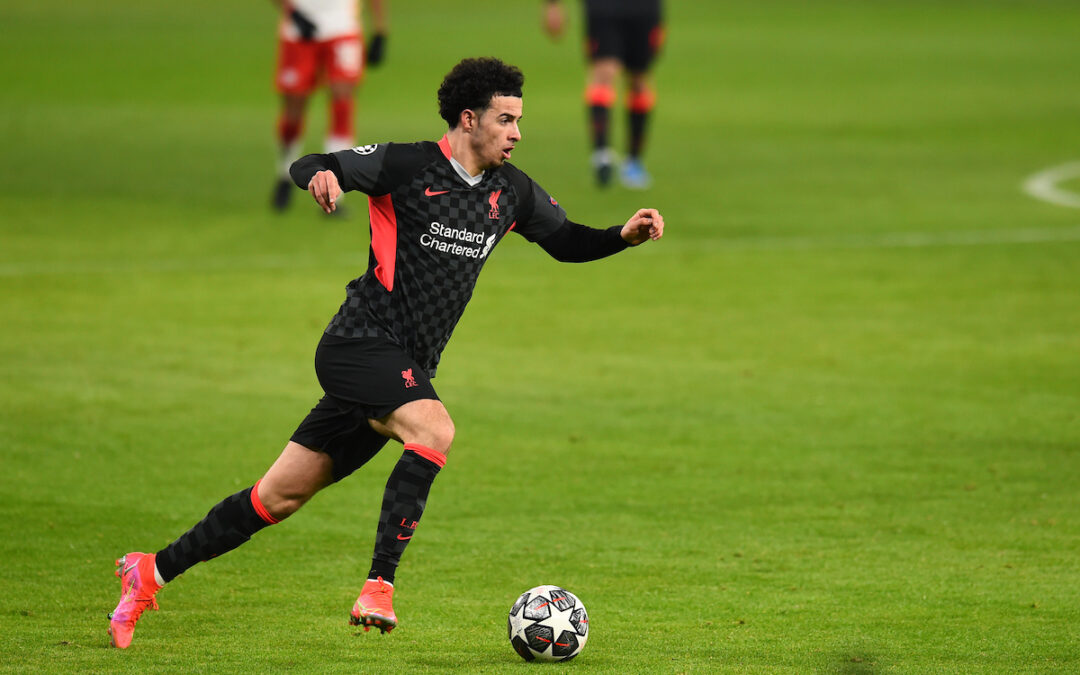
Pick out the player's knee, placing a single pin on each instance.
(442, 437)
(281, 506)
(604, 71)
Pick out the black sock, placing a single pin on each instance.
(228, 525)
(638, 122)
(403, 504)
(598, 122)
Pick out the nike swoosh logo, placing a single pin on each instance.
(431, 193)
(404, 538)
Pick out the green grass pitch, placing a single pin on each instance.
(830, 424)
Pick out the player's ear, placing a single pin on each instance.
(468, 119)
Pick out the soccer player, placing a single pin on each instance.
(437, 211)
(320, 41)
(620, 35)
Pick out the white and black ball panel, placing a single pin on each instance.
(548, 623)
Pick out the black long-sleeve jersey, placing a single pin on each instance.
(431, 233)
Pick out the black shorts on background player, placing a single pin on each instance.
(632, 38)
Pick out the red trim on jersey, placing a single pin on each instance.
(444, 145)
(259, 508)
(383, 238)
(512, 226)
(433, 456)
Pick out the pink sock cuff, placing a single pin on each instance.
(259, 508)
(433, 456)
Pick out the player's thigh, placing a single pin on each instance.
(344, 60)
(642, 39)
(604, 71)
(297, 67)
(603, 37)
(341, 431)
(424, 421)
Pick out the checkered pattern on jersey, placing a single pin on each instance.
(403, 505)
(445, 231)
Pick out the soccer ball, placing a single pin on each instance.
(548, 623)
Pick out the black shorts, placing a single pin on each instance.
(633, 39)
(363, 378)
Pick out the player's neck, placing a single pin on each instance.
(462, 151)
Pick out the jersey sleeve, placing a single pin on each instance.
(539, 215)
(362, 167)
(577, 243)
(377, 169)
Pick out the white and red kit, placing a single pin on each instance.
(332, 49)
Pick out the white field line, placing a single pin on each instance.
(357, 261)
(885, 240)
(1044, 185)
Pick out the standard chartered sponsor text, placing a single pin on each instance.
(437, 235)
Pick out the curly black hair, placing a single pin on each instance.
(472, 84)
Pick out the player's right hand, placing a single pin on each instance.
(303, 24)
(324, 187)
(644, 225)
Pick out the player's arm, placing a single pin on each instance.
(372, 169)
(321, 176)
(543, 221)
(574, 242)
(303, 24)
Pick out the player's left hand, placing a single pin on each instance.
(376, 50)
(644, 225)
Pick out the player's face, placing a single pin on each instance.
(497, 131)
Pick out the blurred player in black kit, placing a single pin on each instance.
(620, 35)
(437, 210)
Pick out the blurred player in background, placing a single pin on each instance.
(620, 35)
(437, 210)
(321, 41)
